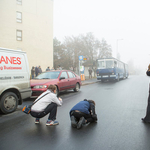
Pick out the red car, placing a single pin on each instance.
(63, 79)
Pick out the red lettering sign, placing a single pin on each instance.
(11, 60)
(7, 59)
(18, 60)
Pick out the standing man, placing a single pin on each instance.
(90, 73)
(48, 69)
(36, 71)
(59, 68)
(32, 72)
(146, 119)
(40, 70)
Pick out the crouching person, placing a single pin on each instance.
(83, 113)
(46, 103)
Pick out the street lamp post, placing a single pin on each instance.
(117, 53)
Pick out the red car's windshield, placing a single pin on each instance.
(48, 75)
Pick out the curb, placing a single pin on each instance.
(89, 83)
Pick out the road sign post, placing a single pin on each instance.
(80, 59)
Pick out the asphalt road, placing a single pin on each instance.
(119, 106)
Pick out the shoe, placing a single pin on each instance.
(144, 120)
(52, 123)
(81, 122)
(73, 122)
(37, 120)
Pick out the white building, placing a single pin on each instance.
(27, 25)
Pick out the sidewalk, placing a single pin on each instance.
(89, 81)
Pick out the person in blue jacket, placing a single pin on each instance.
(83, 113)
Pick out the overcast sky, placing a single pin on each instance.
(109, 19)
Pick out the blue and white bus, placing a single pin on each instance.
(111, 69)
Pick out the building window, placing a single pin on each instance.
(19, 35)
(19, 16)
(19, 2)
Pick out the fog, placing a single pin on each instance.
(124, 24)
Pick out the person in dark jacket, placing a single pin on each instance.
(83, 113)
(48, 69)
(32, 72)
(90, 73)
(146, 119)
(39, 70)
(36, 71)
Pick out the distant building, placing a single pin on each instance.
(27, 25)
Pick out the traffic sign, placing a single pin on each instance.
(84, 58)
(81, 68)
(80, 57)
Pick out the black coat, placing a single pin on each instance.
(148, 72)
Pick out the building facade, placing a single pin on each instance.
(27, 25)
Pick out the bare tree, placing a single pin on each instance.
(58, 52)
(104, 49)
(87, 45)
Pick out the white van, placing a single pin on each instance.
(14, 79)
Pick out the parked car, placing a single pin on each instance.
(63, 79)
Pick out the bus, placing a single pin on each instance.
(111, 69)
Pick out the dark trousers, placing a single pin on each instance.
(78, 115)
(90, 76)
(147, 117)
(51, 108)
(32, 76)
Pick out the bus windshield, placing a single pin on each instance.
(105, 64)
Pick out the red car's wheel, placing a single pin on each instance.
(76, 89)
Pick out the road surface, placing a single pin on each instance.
(119, 107)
